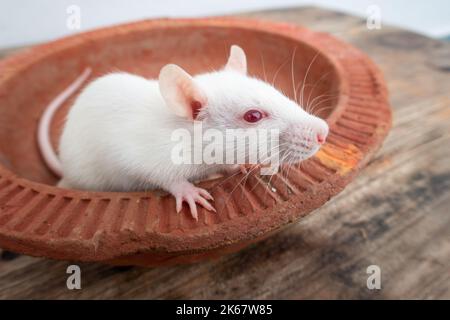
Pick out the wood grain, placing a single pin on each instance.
(394, 215)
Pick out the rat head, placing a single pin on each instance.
(230, 99)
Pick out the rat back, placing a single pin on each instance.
(118, 137)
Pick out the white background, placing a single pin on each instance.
(24, 22)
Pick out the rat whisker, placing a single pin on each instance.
(266, 187)
(263, 66)
(248, 173)
(322, 96)
(315, 86)
(237, 173)
(315, 108)
(323, 109)
(278, 71)
(306, 75)
(292, 74)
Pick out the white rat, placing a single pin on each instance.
(117, 136)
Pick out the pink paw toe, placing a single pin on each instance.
(192, 195)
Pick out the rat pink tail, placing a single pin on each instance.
(45, 145)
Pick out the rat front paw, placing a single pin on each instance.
(187, 192)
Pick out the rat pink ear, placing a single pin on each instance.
(237, 60)
(180, 91)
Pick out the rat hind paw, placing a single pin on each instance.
(187, 192)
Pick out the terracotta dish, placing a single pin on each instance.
(39, 219)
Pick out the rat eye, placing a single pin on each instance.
(253, 115)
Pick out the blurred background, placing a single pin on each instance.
(25, 22)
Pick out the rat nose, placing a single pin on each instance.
(321, 137)
(319, 130)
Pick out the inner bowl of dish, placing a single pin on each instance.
(142, 227)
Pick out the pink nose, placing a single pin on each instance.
(321, 138)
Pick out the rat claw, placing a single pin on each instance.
(206, 194)
(193, 208)
(179, 203)
(205, 204)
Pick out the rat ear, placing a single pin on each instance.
(237, 60)
(180, 91)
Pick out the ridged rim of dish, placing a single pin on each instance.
(99, 226)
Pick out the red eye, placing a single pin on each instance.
(253, 115)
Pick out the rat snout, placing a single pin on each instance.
(302, 139)
(320, 129)
(321, 136)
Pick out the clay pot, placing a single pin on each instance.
(39, 219)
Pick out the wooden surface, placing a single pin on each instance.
(395, 214)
